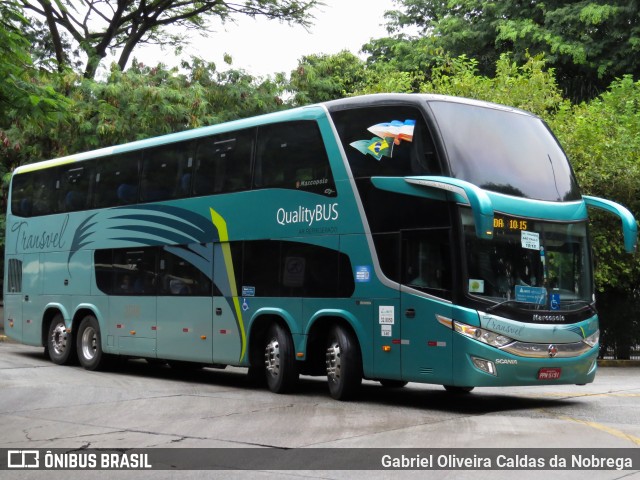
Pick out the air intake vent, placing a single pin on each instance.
(426, 371)
(14, 275)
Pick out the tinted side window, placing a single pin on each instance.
(314, 271)
(177, 275)
(166, 172)
(387, 141)
(261, 267)
(293, 269)
(116, 180)
(426, 261)
(125, 271)
(45, 191)
(103, 262)
(392, 212)
(75, 189)
(22, 195)
(223, 163)
(292, 155)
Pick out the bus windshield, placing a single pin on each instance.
(529, 264)
(505, 151)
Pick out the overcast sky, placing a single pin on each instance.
(264, 47)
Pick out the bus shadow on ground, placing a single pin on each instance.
(413, 396)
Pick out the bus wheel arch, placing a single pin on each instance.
(272, 354)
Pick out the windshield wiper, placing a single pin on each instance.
(589, 305)
(504, 302)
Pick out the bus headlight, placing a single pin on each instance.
(593, 339)
(485, 336)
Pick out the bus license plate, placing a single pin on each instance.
(549, 373)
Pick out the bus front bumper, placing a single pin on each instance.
(476, 364)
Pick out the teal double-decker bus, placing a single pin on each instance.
(397, 238)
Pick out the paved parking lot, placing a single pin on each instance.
(140, 405)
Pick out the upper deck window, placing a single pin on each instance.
(504, 151)
(292, 155)
(386, 141)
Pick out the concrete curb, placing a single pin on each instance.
(619, 363)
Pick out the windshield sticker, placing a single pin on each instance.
(537, 295)
(387, 134)
(530, 240)
(554, 301)
(476, 286)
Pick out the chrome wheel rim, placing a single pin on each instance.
(89, 343)
(333, 362)
(59, 339)
(272, 357)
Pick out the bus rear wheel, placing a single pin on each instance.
(279, 361)
(89, 344)
(344, 364)
(60, 342)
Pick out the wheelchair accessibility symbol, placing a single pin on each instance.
(554, 300)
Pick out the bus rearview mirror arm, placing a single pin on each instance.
(629, 223)
(466, 193)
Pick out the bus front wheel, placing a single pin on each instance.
(60, 342)
(89, 344)
(279, 360)
(344, 363)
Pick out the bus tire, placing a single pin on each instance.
(392, 383)
(89, 344)
(344, 364)
(281, 371)
(457, 390)
(60, 342)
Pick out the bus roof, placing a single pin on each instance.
(309, 112)
(381, 99)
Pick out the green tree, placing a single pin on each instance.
(26, 95)
(602, 139)
(319, 78)
(98, 26)
(588, 42)
(145, 102)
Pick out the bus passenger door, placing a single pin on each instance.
(426, 277)
(184, 303)
(132, 305)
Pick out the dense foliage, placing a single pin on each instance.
(588, 42)
(45, 114)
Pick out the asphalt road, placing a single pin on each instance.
(135, 404)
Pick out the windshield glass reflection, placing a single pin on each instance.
(529, 264)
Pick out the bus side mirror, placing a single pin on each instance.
(466, 193)
(445, 189)
(629, 223)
